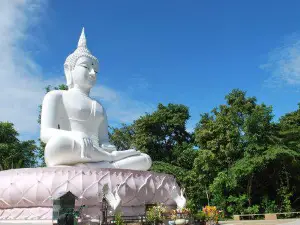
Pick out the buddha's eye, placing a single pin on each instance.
(84, 66)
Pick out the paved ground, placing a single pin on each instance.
(297, 222)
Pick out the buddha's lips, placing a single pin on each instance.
(92, 77)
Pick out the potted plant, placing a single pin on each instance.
(211, 215)
(180, 216)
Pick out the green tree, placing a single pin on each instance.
(158, 133)
(122, 137)
(289, 125)
(240, 152)
(13, 152)
(184, 155)
(245, 162)
(162, 134)
(289, 190)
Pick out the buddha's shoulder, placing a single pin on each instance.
(98, 103)
(54, 95)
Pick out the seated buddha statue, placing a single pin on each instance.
(74, 126)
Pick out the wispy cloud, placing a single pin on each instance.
(22, 83)
(284, 64)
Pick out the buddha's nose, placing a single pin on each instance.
(92, 73)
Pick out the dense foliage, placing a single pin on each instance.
(238, 158)
(245, 158)
(13, 152)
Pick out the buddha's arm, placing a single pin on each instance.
(103, 135)
(50, 110)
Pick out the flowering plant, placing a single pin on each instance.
(180, 213)
(156, 213)
(211, 214)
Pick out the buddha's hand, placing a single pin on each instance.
(85, 142)
(108, 147)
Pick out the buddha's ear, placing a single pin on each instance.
(68, 73)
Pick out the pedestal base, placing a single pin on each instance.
(28, 193)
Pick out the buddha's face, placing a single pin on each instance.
(85, 72)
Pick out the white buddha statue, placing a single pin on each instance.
(74, 126)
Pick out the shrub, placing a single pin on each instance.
(156, 214)
(211, 215)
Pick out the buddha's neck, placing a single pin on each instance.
(84, 91)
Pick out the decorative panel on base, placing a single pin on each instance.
(28, 193)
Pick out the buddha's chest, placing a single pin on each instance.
(82, 108)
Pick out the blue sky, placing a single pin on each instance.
(188, 52)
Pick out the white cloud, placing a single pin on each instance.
(284, 64)
(22, 83)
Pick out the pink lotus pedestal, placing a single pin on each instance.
(27, 193)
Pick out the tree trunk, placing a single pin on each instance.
(249, 189)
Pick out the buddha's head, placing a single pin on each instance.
(81, 67)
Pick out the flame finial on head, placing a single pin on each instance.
(82, 40)
(81, 50)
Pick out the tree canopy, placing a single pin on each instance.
(244, 162)
(245, 157)
(13, 152)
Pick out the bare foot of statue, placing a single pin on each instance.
(118, 155)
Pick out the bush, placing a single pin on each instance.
(269, 206)
(200, 216)
(211, 215)
(155, 214)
